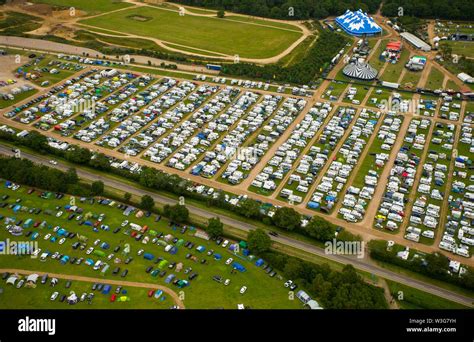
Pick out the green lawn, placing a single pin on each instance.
(203, 292)
(435, 79)
(91, 7)
(48, 64)
(393, 71)
(204, 33)
(411, 298)
(460, 48)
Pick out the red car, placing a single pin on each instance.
(151, 293)
(113, 298)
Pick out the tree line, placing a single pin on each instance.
(333, 289)
(438, 9)
(434, 265)
(287, 9)
(311, 66)
(285, 218)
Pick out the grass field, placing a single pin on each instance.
(460, 48)
(435, 79)
(203, 292)
(212, 34)
(47, 76)
(91, 7)
(411, 298)
(393, 71)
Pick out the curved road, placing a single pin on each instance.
(361, 264)
(102, 280)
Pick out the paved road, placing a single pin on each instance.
(362, 264)
(165, 289)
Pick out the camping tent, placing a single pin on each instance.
(360, 70)
(239, 267)
(358, 23)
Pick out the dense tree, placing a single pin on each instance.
(177, 213)
(215, 227)
(440, 9)
(287, 9)
(147, 202)
(127, 197)
(100, 162)
(97, 188)
(71, 176)
(306, 70)
(250, 208)
(258, 241)
(220, 13)
(287, 218)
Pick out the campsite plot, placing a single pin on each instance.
(346, 159)
(80, 295)
(359, 193)
(458, 235)
(391, 213)
(324, 147)
(185, 122)
(288, 152)
(355, 94)
(90, 239)
(334, 90)
(301, 178)
(46, 71)
(431, 190)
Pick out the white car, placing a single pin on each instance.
(229, 261)
(62, 241)
(227, 282)
(243, 289)
(225, 243)
(124, 223)
(288, 283)
(53, 162)
(47, 236)
(140, 252)
(59, 214)
(96, 242)
(90, 250)
(54, 295)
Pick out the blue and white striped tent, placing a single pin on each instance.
(358, 23)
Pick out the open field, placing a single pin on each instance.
(205, 33)
(90, 7)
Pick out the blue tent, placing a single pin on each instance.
(88, 223)
(239, 267)
(313, 205)
(106, 289)
(201, 249)
(358, 23)
(173, 250)
(217, 256)
(148, 256)
(259, 262)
